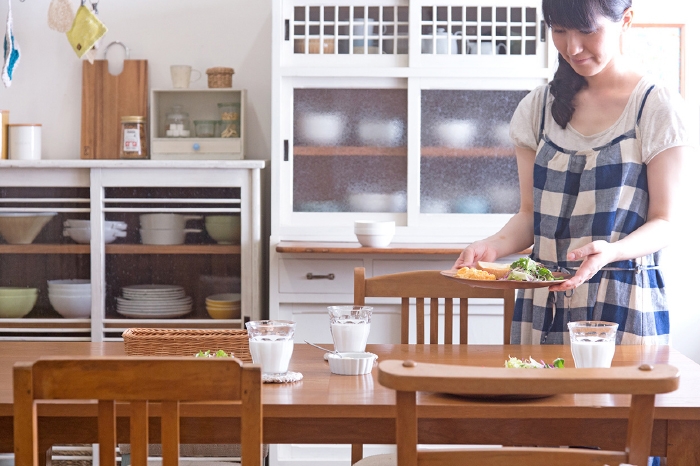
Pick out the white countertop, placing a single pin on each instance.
(118, 163)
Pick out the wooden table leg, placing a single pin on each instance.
(683, 448)
(356, 453)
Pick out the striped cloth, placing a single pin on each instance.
(579, 197)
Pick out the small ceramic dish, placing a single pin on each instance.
(351, 363)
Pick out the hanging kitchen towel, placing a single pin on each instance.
(86, 31)
(11, 50)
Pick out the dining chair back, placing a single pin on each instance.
(430, 286)
(140, 382)
(409, 377)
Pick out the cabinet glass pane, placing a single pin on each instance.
(35, 249)
(350, 150)
(188, 237)
(467, 160)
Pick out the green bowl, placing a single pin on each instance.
(17, 291)
(14, 307)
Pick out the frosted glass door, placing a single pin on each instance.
(349, 150)
(467, 160)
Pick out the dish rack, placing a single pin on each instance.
(186, 342)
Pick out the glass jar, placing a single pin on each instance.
(205, 128)
(177, 122)
(134, 144)
(230, 111)
(228, 129)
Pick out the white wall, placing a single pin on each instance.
(236, 33)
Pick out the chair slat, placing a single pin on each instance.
(448, 321)
(405, 304)
(463, 321)
(639, 427)
(420, 321)
(170, 432)
(107, 431)
(434, 320)
(138, 425)
(521, 456)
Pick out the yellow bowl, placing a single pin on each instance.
(21, 227)
(17, 291)
(224, 314)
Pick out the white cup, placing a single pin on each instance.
(182, 76)
(350, 327)
(24, 142)
(271, 344)
(592, 343)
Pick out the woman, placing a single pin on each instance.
(599, 153)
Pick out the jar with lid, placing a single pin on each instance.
(177, 122)
(134, 144)
(230, 113)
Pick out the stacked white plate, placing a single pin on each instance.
(154, 302)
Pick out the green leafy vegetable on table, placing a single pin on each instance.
(213, 354)
(515, 363)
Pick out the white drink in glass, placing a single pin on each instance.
(350, 336)
(593, 353)
(272, 353)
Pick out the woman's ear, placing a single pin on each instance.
(627, 17)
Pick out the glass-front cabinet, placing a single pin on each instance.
(89, 249)
(399, 110)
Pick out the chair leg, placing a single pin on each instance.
(356, 453)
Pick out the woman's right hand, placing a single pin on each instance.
(477, 251)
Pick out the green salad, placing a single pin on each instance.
(530, 363)
(213, 354)
(527, 270)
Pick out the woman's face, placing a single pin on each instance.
(590, 52)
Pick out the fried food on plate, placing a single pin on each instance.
(474, 274)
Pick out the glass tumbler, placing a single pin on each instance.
(592, 343)
(271, 344)
(350, 327)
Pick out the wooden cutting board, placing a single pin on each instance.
(106, 98)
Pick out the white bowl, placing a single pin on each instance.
(23, 227)
(83, 235)
(456, 133)
(71, 307)
(351, 363)
(75, 223)
(385, 133)
(375, 240)
(166, 236)
(73, 283)
(166, 221)
(369, 227)
(322, 128)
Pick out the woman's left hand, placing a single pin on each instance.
(594, 256)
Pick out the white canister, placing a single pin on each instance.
(24, 141)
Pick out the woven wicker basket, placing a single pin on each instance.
(176, 342)
(220, 77)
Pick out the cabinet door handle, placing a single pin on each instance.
(286, 150)
(286, 29)
(543, 31)
(310, 276)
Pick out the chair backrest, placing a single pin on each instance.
(137, 381)
(643, 383)
(430, 285)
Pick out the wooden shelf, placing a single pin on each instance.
(44, 249)
(173, 249)
(121, 249)
(301, 247)
(428, 151)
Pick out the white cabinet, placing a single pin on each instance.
(102, 191)
(391, 110)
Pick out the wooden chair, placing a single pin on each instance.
(138, 381)
(643, 383)
(420, 286)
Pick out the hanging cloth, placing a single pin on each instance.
(61, 15)
(10, 50)
(86, 31)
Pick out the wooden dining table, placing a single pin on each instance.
(336, 409)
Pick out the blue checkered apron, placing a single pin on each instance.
(579, 197)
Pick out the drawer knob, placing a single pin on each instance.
(310, 276)
(195, 146)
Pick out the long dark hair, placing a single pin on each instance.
(581, 15)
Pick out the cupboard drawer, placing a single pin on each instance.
(294, 275)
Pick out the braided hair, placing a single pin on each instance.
(581, 15)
